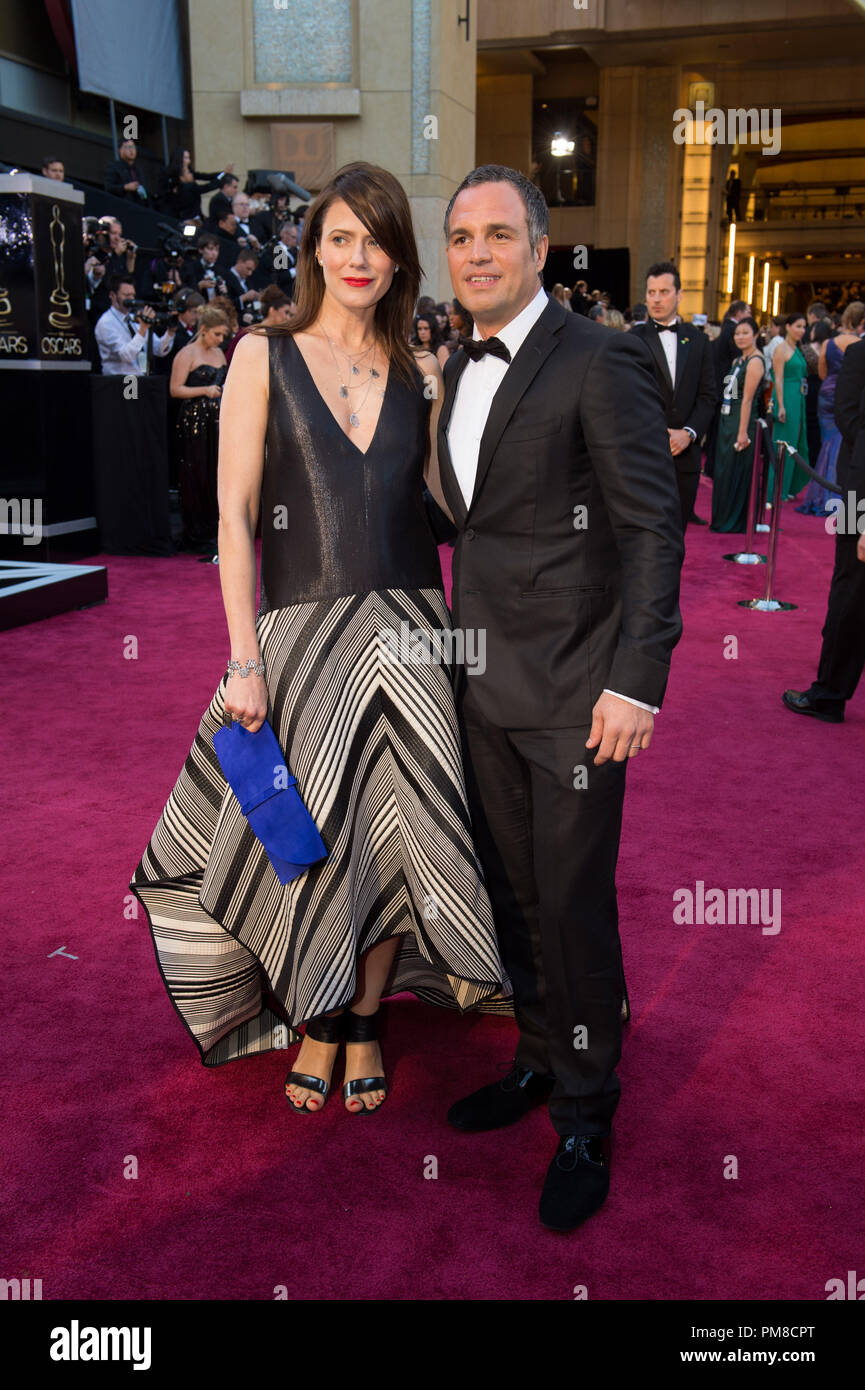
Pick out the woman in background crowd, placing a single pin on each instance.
(426, 334)
(789, 388)
(830, 356)
(181, 186)
(740, 406)
(196, 381)
(460, 321)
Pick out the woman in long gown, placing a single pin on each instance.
(197, 375)
(789, 388)
(741, 401)
(327, 426)
(831, 356)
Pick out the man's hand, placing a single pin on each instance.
(620, 728)
(131, 186)
(679, 440)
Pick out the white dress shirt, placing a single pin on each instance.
(478, 384)
(122, 353)
(670, 344)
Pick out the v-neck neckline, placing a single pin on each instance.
(363, 452)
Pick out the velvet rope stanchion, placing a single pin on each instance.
(759, 473)
(769, 604)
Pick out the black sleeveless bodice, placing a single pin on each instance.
(335, 521)
(205, 375)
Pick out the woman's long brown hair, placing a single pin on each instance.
(379, 200)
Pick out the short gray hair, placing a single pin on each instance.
(537, 213)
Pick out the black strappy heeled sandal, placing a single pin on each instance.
(326, 1029)
(362, 1028)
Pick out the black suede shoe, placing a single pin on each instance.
(577, 1181)
(502, 1102)
(803, 702)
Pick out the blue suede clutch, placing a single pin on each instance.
(258, 775)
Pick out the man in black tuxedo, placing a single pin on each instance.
(842, 656)
(238, 281)
(554, 461)
(221, 202)
(684, 371)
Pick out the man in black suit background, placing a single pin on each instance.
(554, 460)
(123, 177)
(842, 655)
(684, 371)
(221, 202)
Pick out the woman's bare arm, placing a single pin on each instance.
(242, 427)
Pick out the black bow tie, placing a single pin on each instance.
(476, 348)
(664, 327)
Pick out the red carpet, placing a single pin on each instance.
(740, 1044)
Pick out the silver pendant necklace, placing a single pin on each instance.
(354, 370)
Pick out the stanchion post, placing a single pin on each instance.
(748, 556)
(777, 494)
(754, 494)
(768, 604)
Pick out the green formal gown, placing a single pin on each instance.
(731, 481)
(793, 430)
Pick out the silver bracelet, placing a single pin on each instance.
(251, 665)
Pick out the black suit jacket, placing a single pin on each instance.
(850, 419)
(118, 173)
(692, 399)
(567, 609)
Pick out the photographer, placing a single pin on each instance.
(123, 177)
(200, 273)
(122, 345)
(184, 317)
(266, 223)
(279, 259)
(238, 281)
(122, 251)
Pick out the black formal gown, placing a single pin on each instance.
(348, 562)
(197, 445)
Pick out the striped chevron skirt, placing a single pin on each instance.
(373, 741)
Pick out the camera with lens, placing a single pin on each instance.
(97, 242)
(164, 312)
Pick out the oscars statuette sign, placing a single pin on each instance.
(42, 304)
(62, 311)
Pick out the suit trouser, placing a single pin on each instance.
(548, 851)
(688, 485)
(842, 656)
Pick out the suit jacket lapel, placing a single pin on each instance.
(450, 486)
(525, 366)
(683, 337)
(653, 338)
